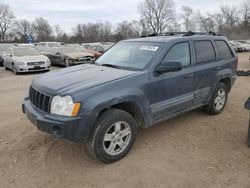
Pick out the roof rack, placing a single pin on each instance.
(189, 33)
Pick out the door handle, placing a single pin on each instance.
(216, 68)
(189, 76)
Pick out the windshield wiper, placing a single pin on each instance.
(110, 65)
(116, 66)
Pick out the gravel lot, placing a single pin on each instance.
(193, 150)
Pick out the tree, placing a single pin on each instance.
(6, 21)
(187, 13)
(245, 13)
(127, 30)
(59, 32)
(105, 29)
(158, 15)
(230, 16)
(78, 33)
(219, 21)
(42, 29)
(206, 23)
(23, 29)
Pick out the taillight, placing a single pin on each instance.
(236, 63)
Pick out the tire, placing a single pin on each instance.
(218, 100)
(67, 63)
(5, 68)
(14, 69)
(116, 145)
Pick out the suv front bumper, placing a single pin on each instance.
(70, 128)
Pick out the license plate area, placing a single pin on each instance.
(37, 67)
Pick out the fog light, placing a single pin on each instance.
(57, 132)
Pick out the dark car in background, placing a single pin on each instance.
(1, 60)
(98, 47)
(136, 84)
(68, 56)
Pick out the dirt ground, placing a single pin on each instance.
(193, 150)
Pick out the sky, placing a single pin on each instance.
(68, 13)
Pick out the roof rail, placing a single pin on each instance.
(189, 33)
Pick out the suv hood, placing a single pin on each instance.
(78, 55)
(77, 78)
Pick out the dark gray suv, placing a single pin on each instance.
(135, 84)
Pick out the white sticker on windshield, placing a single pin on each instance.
(149, 48)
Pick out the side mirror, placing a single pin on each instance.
(169, 66)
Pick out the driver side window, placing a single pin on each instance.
(179, 52)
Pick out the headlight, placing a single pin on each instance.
(48, 61)
(19, 63)
(64, 106)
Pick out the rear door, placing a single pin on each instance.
(227, 59)
(206, 69)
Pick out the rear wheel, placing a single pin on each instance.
(218, 100)
(113, 136)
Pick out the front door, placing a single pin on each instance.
(173, 92)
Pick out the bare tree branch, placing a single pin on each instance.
(158, 15)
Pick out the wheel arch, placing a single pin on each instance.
(130, 107)
(228, 82)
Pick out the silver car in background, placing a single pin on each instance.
(20, 59)
(3, 48)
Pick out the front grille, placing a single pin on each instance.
(40, 100)
(36, 63)
(86, 59)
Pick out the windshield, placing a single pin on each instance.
(53, 45)
(71, 50)
(130, 55)
(4, 47)
(25, 52)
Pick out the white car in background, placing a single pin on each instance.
(47, 48)
(20, 59)
(237, 47)
(24, 45)
(245, 44)
(3, 48)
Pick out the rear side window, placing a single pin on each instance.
(224, 50)
(204, 51)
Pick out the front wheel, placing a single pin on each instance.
(14, 69)
(218, 100)
(113, 136)
(67, 63)
(4, 65)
